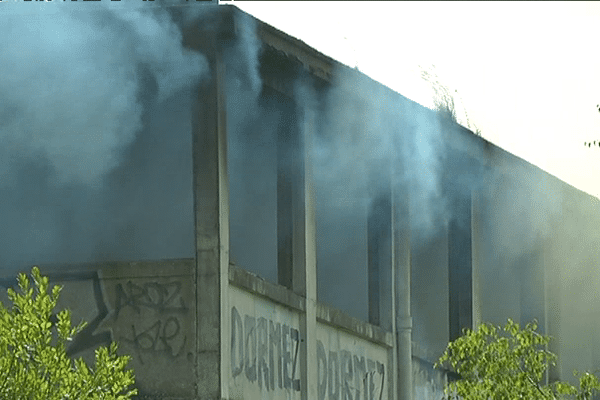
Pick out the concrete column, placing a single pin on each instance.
(305, 258)
(401, 262)
(211, 210)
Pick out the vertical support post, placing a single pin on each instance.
(402, 270)
(305, 255)
(211, 211)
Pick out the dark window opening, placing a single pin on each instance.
(262, 152)
(134, 201)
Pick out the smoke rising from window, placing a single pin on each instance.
(84, 92)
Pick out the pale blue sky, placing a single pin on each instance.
(528, 73)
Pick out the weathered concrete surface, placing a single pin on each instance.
(305, 259)
(146, 306)
(266, 354)
(536, 257)
(154, 315)
(428, 383)
(211, 209)
(264, 348)
(401, 296)
(350, 367)
(571, 257)
(332, 316)
(250, 282)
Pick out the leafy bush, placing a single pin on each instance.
(33, 360)
(508, 364)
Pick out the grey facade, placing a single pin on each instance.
(305, 232)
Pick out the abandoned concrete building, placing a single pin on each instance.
(301, 231)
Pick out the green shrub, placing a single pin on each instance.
(509, 363)
(33, 360)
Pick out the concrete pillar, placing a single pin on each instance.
(211, 210)
(401, 262)
(305, 256)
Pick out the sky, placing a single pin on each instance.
(526, 74)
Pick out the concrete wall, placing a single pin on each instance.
(265, 343)
(571, 256)
(350, 367)
(148, 308)
(536, 257)
(265, 354)
(428, 381)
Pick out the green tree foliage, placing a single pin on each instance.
(510, 363)
(33, 361)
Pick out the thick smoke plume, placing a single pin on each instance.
(368, 139)
(83, 92)
(71, 84)
(370, 136)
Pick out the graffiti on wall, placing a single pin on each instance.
(162, 307)
(148, 312)
(344, 375)
(154, 324)
(88, 338)
(265, 351)
(161, 297)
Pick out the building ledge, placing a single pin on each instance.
(252, 283)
